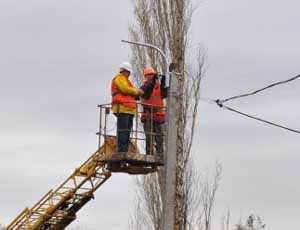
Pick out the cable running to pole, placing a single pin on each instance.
(219, 103)
(259, 90)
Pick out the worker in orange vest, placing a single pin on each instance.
(153, 115)
(124, 106)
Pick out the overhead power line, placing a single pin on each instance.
(259, 90)
(220, 103)
(255, 118)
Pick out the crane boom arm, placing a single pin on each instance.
(58, 208)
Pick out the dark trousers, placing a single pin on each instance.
(154, 137)
(124, 126)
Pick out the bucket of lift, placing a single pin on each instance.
(132, 162)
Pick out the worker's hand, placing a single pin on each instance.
(163, 80)
(140, 92)
(154, 78)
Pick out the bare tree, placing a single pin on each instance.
(253, 222)
(227, 219)
(200, 197)
(148, 210)
(209, 195)
(165, 23)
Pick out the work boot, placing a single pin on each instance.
(112, 166)
(160, 155)
(130, 155)
(109, 166)
(123, 164)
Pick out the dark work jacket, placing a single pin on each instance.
(148, 87)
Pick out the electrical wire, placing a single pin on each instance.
(259, 90)
(220, 104)
(208, 100)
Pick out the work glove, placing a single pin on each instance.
(148, 89)
(163, 80)
(154, 78)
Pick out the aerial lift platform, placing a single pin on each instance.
(58, 208)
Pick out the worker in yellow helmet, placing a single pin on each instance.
(153, 115)
(124, 104)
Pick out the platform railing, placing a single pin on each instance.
(108, 127)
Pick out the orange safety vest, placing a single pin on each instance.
(155, 105)
(118, 98)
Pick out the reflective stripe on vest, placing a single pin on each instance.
(118, 98)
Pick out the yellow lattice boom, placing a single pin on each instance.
(58, 208)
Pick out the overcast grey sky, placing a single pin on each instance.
(56, 62)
